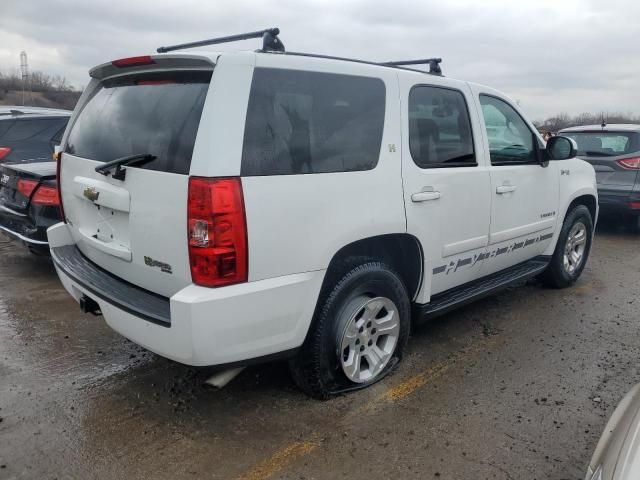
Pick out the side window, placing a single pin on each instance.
(510, 139)
(309, 122)
(439, 128)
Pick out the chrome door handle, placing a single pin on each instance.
(425, 196)
(505, 189)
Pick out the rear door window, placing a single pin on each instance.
(310, 122)
(439, 128)
(155, 114)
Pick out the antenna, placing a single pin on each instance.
(24, 69)
(270, 41)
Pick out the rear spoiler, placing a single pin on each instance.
(126, 66)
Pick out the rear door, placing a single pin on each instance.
(446, 182)
(135, 228)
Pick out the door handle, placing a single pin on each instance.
(505, 189)
(425, 196)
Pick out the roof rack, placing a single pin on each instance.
(270, 41)
(434, 64)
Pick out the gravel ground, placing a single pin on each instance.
(516, 386)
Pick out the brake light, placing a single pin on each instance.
(46, 195)
(217, 231)
(133, 61)
(630, 163)
(26, 187)
(634, 205)
(58, 158)
(4, 151)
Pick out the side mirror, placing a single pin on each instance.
(561, 148)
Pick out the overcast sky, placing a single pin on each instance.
(555, 56)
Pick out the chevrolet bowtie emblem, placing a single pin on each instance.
(91, 193)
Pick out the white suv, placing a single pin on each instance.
(282, 205)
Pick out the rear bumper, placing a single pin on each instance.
(31, 228)
(615, 201)
(202, 326)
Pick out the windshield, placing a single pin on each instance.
(601, 144)
(156, 114)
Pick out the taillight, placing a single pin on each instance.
(217, 231)
(634, 205)
(4, 151)
(58, 158)
(630, 163)
(26, 187)
(46, 196)
(133, 61)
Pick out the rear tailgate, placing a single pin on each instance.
(135, 228)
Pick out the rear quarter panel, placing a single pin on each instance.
(296, 223)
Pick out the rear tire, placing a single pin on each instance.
(358, 335)
(572, 250)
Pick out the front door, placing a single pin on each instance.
(524, 191)
(446, 182)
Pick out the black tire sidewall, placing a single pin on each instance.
(578, 213)
(371, 279)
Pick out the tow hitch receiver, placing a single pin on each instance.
(88, 305)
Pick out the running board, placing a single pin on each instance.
(469, 292)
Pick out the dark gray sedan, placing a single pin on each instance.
(614, 152)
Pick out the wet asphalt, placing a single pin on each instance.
(516, 386)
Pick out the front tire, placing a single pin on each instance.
(359, 333)
(572, 249)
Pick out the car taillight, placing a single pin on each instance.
(634, 205)
(26, 187)
(630, 163)
(58, 158)
(133, 61)
(217, 231)
(4, 151)
(46, 195)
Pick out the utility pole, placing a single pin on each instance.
(24, 68)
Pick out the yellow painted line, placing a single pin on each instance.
(283, 457)
(406, 388)
(279, 460)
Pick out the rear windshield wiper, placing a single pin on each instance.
(118, 163)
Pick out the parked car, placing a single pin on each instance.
(614, 152)
(617, 455)
(28, 192)
(228, 208)
(29, 134)
(29, 203)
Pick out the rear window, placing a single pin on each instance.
(155, 114)
(603, 144)
(309, 122)
(26, 128)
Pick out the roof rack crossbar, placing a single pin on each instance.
(434, 64)
(270, 41)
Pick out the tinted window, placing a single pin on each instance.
(603, 144)
(151, 113)
(26, 128)
(439, 128)
(510, 139)
(5, 125)
(310, 122)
